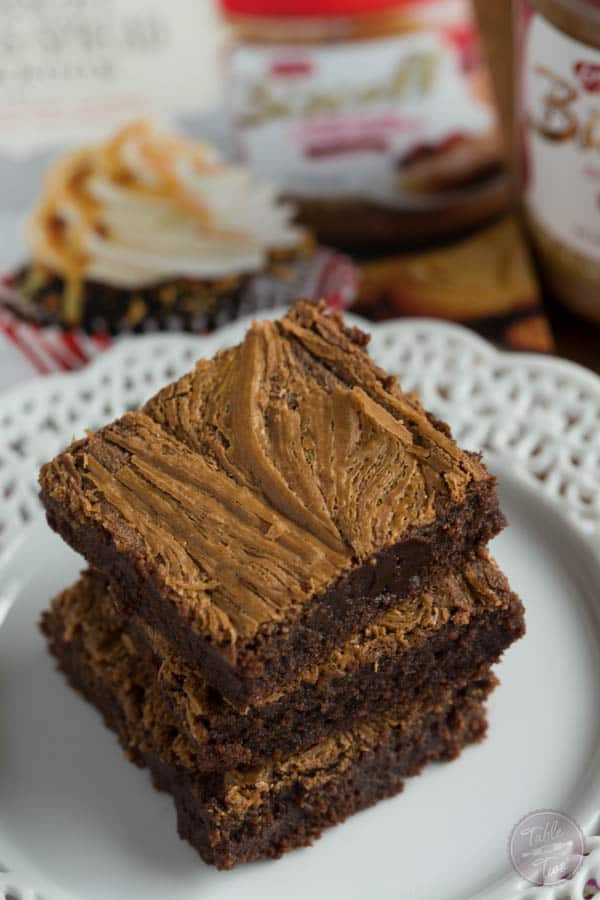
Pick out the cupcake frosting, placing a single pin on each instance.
(147, 206)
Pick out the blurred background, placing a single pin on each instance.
(402, 133)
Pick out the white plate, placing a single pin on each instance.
(78, 821)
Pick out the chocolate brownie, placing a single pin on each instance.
(249, 814)
(444, 636)
(272, 502)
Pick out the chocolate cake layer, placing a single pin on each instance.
(272, 503)
(445, 636)
(243, 815)
(295, 815)
(199, 305)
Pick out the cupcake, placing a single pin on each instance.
(149, 230)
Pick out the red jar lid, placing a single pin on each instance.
(313, 8)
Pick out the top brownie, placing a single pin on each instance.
(273, 501)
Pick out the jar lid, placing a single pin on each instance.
(313, 8)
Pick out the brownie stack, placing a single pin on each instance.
(289, 607)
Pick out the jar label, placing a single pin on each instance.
(560, 135)
(403, 120)
(71, 70)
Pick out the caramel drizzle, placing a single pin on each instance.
(61, 245)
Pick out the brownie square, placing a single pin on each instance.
(271, 503)
(447, 635)
(249, 814)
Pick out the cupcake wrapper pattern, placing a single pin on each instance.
(40, 348)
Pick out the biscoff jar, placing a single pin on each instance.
(558, 43)
(377, 118)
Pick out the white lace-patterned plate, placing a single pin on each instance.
(78, 822)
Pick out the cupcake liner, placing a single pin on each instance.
(42, 348)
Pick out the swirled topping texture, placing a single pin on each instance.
(257, 480)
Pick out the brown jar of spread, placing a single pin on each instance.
(375, 116)
(558, 43)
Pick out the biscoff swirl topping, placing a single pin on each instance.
(146, 206)
(261, 477)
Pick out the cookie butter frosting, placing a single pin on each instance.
(146, 206)
(457, 598)
(258, 479)
(151, 727)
